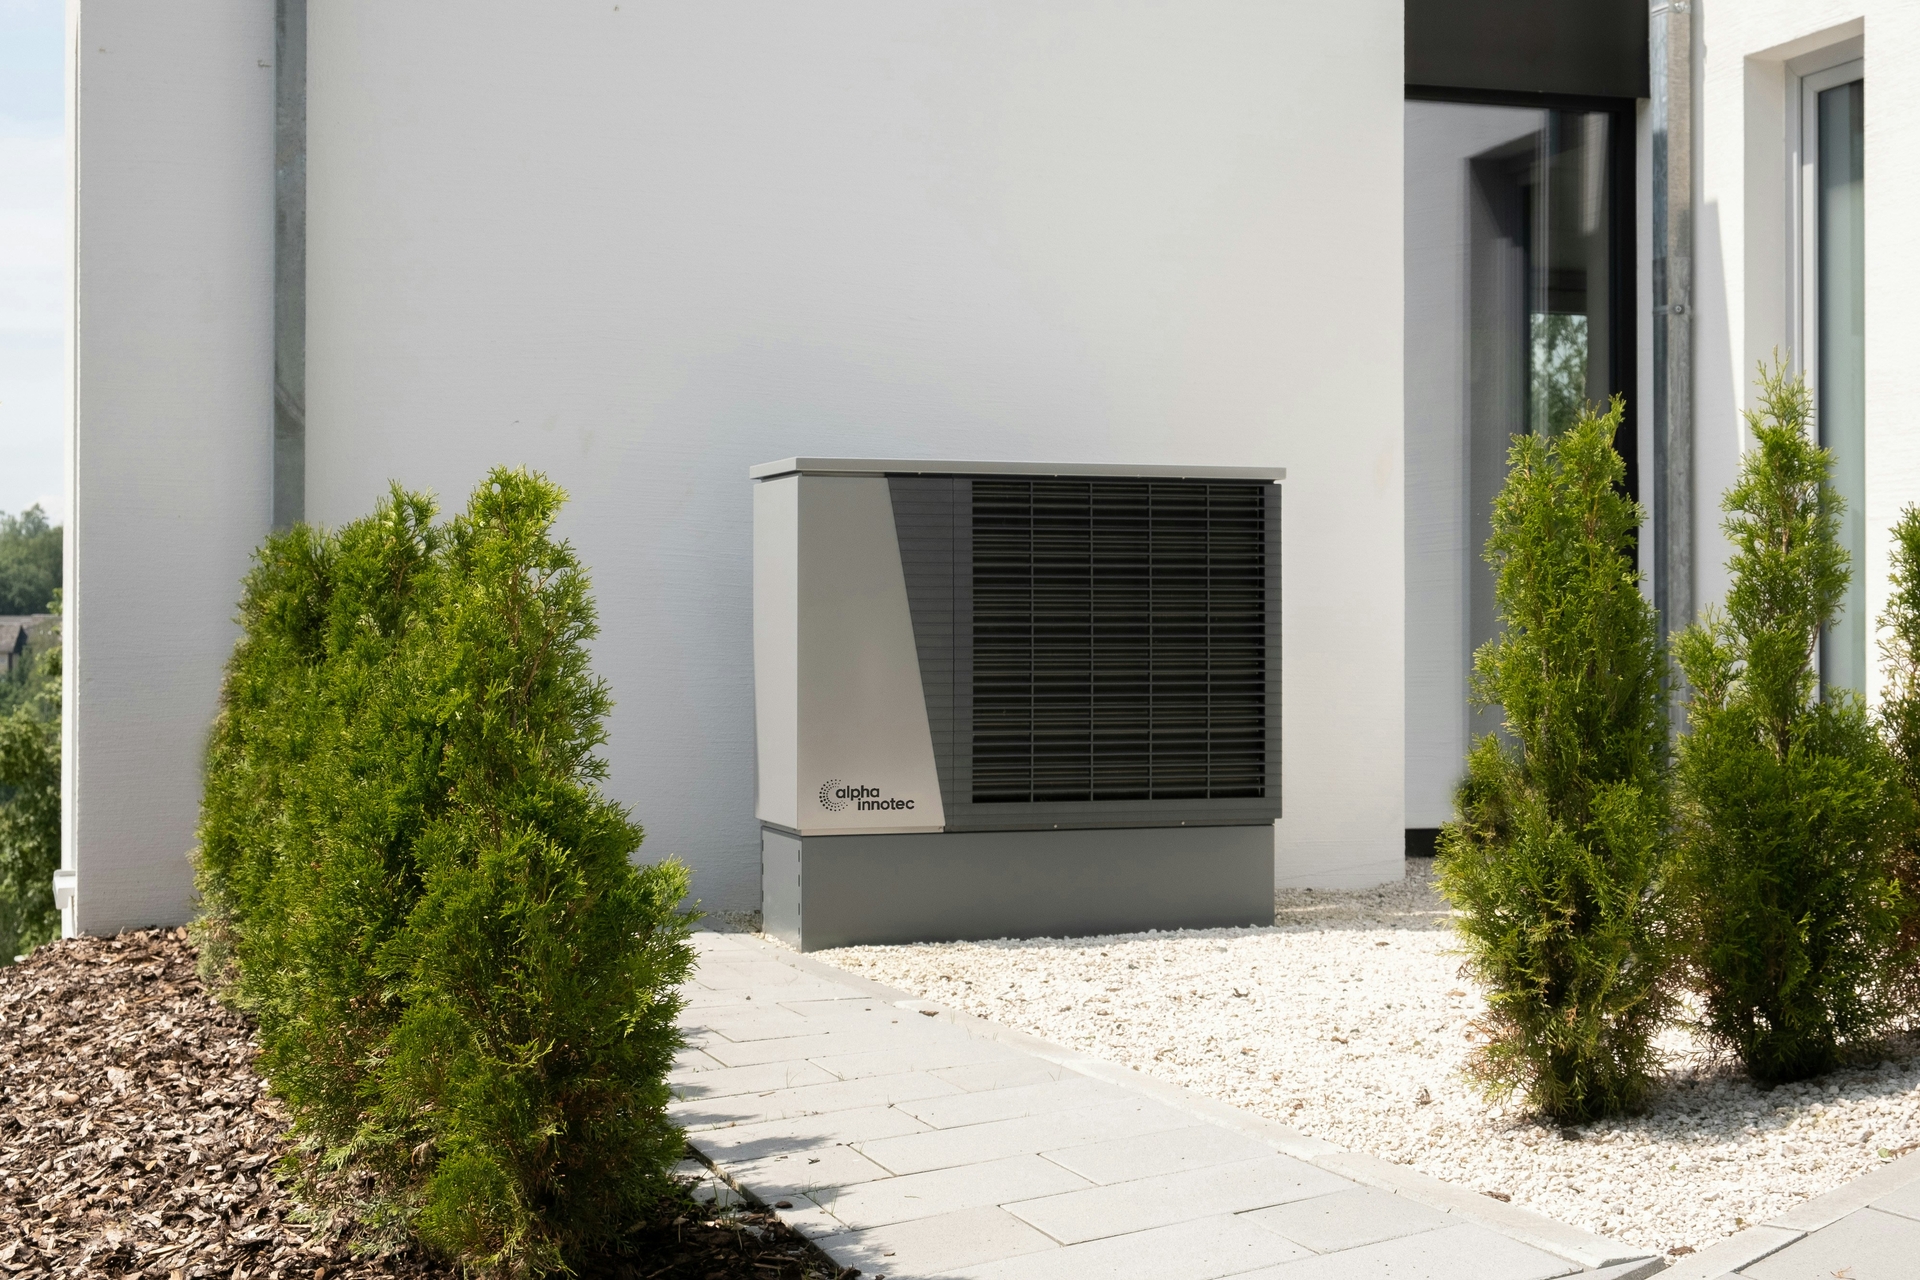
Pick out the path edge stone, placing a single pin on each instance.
(1744, 1248)
(1825, 1210)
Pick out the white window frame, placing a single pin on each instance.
(1810, 76)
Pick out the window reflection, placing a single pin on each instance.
(1517, 314)
(1842, 370)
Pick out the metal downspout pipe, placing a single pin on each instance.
(1671, 76)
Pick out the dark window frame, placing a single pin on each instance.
(1623, 302)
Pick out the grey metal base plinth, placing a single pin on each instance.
(837, 891)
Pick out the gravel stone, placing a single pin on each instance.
(1350, 1019)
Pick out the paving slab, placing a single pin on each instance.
(1639, 1269)
(1146, 1155)
(738, 1022)
(940, 1246)
(692, 1059)
(1023, 1135)
(985, 1105)
(762, 980)
(1349, 1219)
(808, 1172)
(837, 1006)
(798, 1211)
(1733, 1254)
(922, 1195)
(1199, 1250)
(1904, 1200)
(701, 998)
(935, 1054)
(1865, 1245)
(1004, 1073)
(690, 1081)
(747, 1053)
(747, 1142)
(1159, 1201)
(1464, 1252)
(777, 1104)
(1516, 1222)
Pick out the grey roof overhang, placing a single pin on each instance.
(931, 467)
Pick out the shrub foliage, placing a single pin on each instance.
(1789, 811)
(1555, 856)
(30, 801)
(1900, 723)
(413, 880)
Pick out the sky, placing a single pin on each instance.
(32, 278)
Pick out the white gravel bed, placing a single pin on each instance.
(1350, 1020)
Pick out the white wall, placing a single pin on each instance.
(171, 427)
(642, 246)
(1743, 247)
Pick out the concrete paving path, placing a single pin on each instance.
(1866, 1230)
(914, 1142)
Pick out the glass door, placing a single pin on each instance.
(1833, 177)
(1519, 306)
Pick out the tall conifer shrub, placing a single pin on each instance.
(1555, 856)
(1789, 809)
(414, 882)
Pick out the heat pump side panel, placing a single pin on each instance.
(866, 761)
(776, 648)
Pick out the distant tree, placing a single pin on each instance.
(29, 561)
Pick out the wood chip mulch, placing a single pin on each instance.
(135, 1139)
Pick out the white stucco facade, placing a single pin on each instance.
(641, 247)
(171, 134)
(1751, 56)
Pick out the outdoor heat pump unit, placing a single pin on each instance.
(1014, 700)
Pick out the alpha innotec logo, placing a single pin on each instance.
(837, 796)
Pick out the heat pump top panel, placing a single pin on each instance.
(979, 646)
(924, 467)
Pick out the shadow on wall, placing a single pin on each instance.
(1716, 405)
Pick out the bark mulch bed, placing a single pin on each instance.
(135, 1139)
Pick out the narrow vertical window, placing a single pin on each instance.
(1839, 315)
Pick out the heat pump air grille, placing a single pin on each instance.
(1119, 640)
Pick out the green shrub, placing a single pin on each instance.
(1555, 856)
(1789, 808)
(30, 804)
(1900, 724)
(413, 880)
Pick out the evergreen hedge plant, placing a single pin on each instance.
(1789, 810)
(413, 881)
(1556, 852)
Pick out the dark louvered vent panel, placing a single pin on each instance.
(1119, 640)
